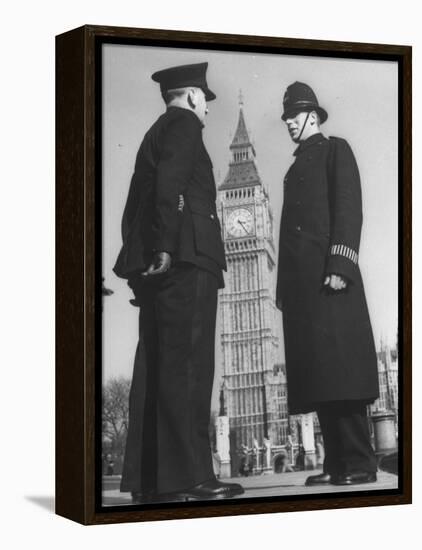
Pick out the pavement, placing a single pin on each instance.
(265, 485)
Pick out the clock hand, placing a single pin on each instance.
(243, 225)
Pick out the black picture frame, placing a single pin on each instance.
(78, 272)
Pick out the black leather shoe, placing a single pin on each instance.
(356, 478)
(320, 479)
(213, 490)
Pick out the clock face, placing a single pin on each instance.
(240, 223)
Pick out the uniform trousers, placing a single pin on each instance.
(168, 447)
(347, 444)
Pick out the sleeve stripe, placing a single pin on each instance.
(346, 251)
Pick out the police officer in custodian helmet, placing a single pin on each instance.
(330, 354)
(173, 257)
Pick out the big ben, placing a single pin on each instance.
(254, 399)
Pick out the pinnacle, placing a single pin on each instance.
(241, 136)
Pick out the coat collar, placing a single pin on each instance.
(186, 112)
(313, 140)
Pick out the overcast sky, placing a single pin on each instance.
(361, 100)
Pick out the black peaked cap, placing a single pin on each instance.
(184, 76)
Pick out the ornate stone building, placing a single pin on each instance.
(254, 382)
(388, 381)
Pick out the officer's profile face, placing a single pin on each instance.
(200, 103)
(295, 122)
(301, 125)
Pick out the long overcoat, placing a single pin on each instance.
(329, 346)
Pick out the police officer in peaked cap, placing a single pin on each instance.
(331, 360)
(173, 257)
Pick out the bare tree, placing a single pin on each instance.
(115, 412)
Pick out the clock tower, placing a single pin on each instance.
(253, 379)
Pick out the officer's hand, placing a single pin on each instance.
(336, 282)
(160, 264)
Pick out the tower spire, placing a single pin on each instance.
(242, 168)
(240, 98)
(241, 136)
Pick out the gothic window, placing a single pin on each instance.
(249, 316)
(239, 285)
(234, 276)
(253, 274)
(238, 276)
(254, 356)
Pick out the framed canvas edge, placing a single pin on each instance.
(76, 376)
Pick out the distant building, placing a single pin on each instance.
(277, 387)
(254, 381)
(388, 382)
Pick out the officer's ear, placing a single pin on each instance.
(314, 118)
(192, 99)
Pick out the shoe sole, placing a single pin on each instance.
(186, 497)
(318, 484)
(355, 482)
(214, 497)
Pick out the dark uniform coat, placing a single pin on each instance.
(171, 163)
(329, 346)
(171, 208)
